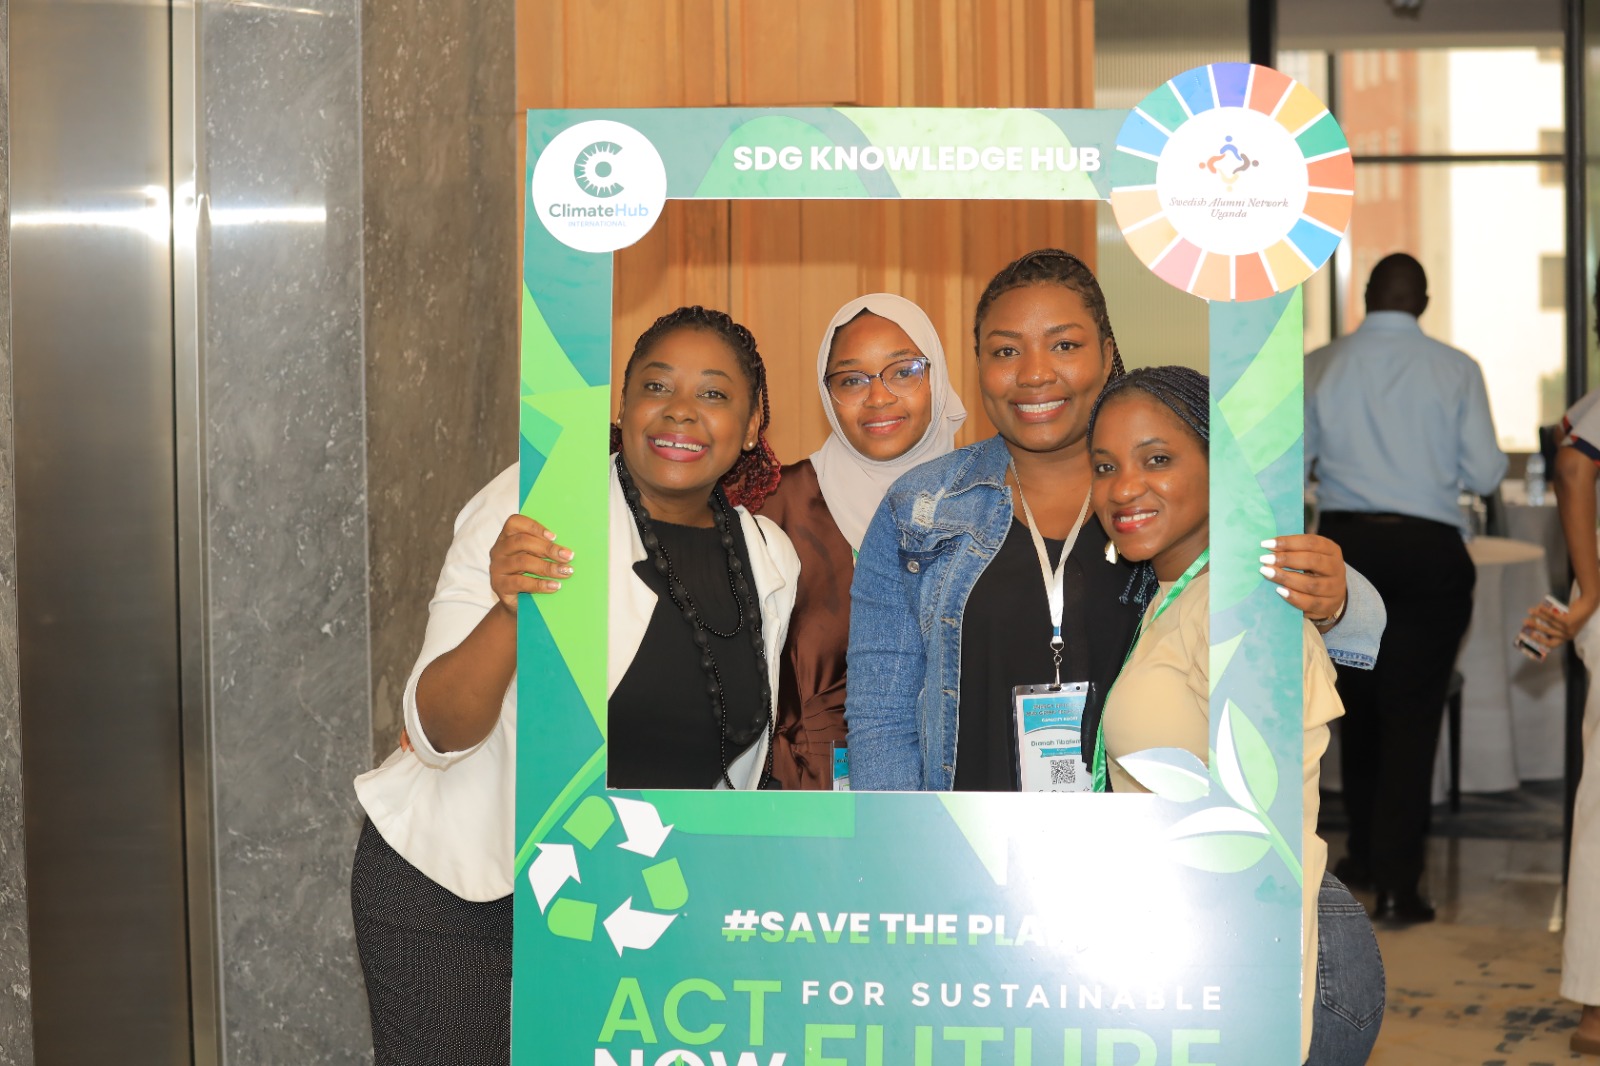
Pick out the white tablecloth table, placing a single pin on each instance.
(1541, 525)
(1512, 708)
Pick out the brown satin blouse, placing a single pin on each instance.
(811, 677)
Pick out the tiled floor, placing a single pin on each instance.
(1479, 985)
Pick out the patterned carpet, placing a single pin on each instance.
(1533, 812)
(1476, 995)
(1479, 986)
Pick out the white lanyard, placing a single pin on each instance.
(1054, 583)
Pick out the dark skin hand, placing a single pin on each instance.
(1575, 475)
(1310, 572)
(459, 693)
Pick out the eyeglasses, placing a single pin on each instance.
(850, 387)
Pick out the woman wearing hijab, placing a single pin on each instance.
(886, 389)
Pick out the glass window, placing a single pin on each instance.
(1454, 100)
(1551, 142)
(1491, 237)
(1490, 234)
(1553, 282)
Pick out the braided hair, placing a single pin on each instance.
(1051, 266)
(754, 477)
(1187, 393)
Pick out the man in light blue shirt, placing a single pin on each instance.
(1396, 425)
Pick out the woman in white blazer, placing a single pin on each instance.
(700, 594)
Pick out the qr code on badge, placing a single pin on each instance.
(1063, 771)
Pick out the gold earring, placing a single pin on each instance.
(1111, 551)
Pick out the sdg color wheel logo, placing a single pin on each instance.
(599, 186)
(1232, 182)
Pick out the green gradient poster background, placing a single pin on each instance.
(772, 928)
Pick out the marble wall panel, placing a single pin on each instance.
(280, 131)
(16, 1023)
(442, 291)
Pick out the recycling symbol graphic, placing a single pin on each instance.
(628, 926)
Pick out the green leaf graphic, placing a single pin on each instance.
(1222, 840)
(1221, 656)
(1171, 773)
(1217, 820)
(1226, 761)
(1255, 759)
(1220, 854)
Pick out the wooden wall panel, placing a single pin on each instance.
(783, 268)
(793, 52)
(683, 260)
(621, 53)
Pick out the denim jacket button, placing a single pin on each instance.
(913, 566)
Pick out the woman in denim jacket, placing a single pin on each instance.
(948, 604)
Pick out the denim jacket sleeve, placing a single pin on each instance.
(886, 665)
(1354, 641)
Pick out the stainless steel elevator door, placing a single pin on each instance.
(96, 538)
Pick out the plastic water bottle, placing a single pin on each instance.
(1535, 479)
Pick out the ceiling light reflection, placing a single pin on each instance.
(154, 219)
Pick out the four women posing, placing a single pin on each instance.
(968, 573)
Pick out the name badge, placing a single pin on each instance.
(841, 767)
(1048, 722)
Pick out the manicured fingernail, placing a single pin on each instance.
(1269, 558)
(1270, 543)
(1267, 572)
(564, 553)
(564, 571)
(553, 586)
(549, 535)
(1283, 592)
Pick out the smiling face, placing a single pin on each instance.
(1152, 483)
(686, 416)
(1041, 363)
(885, 424)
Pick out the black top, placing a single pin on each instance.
(1005, 641)
(663, 721)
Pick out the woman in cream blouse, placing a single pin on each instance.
(1149, 438)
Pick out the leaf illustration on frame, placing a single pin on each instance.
(1226, 761)
(1255, 758)
(1171, 773)
(1221, 840)
(1217, 820)
(1222, 657)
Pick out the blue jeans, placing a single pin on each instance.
(1350, 982)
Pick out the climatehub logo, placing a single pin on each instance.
(596, 169)
(599, 186)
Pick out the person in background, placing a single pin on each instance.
(890, 404)
(699, 599)
(949, 608)
(1577, 467)
(1149, 443)
(1397, 424)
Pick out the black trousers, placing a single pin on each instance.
(1390, 731)
(438, 967)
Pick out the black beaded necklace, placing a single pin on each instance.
(744, 603)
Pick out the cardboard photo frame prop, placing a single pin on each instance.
(768, 928)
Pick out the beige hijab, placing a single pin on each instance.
(852, 484)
